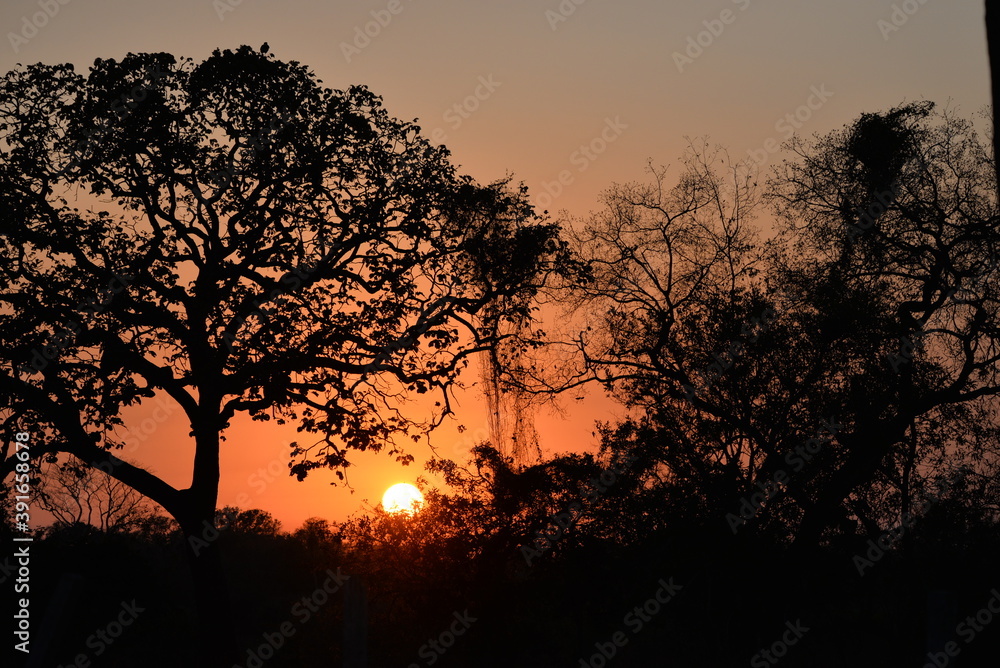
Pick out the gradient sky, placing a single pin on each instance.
(550, 78)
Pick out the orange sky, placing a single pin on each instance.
(568, 100)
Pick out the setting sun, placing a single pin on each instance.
(402, 498)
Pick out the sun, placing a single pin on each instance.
(402, 498)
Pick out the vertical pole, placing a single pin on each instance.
(64, 602)
(942, 615)
(993, 47)
(355, 624)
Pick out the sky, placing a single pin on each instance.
(568, 97)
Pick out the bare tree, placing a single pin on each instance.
(76, 493)
(675, 285)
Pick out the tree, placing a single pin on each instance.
(76, 493)
(7, 505)
(315, 533)
(893, 226)
(831, 374)
(248, 242)
(676, 298)
(252, 522)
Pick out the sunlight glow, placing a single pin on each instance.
(402, 498)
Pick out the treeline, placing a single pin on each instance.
(541, 566)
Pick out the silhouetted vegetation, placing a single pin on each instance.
(811, 447)
(254, 243)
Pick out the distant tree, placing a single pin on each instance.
(315, 532)
(496, 527)
(154, 526)
(242, 240)
(497, 517)
(253, 522)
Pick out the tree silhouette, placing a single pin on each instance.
(253, 521)
(242, 240)
(866, 331)
(676, 296)
(892, 240)
(74, 492)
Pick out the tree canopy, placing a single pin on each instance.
(238, 237)
(853, 355)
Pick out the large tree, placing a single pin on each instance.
(868, 332)
(892, 246)
(243, 240)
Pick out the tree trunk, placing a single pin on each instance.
(867, 447)
(217, 646)
(216, 637)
